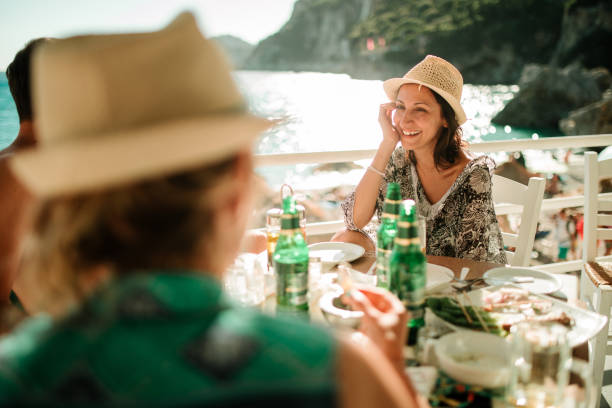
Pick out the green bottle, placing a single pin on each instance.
(290, 262)
(386, 233)
(408, 269)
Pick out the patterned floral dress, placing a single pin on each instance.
(462, 224)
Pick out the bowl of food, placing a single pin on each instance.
(474, 358)
(337, 313)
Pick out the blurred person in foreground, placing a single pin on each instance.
(422, 150)
(15, 200)
(146, 169)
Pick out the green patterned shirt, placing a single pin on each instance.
(167, 339)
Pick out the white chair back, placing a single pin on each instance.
(506, 191)
(596, 277)
(594, 222)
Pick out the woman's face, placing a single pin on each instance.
(418, 117)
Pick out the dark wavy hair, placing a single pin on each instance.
(18, 76)
(450, 141)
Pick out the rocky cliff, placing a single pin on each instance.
(316, 37)
(236, 49)
(586, 35)
(488, 41)
(572, 93)
(548, 94)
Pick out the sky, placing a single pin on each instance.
(23, 20)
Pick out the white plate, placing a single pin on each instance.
(437, 275)
(530, 279)
(489, 355)
(335, 252)
(586, 323)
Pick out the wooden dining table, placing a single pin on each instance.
(476, 269)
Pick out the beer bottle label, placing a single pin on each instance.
(414, 302)
(292, 285)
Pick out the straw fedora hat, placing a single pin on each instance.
(113, 109)
(436, 74)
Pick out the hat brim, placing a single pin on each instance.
(392, 86)
(108, 160)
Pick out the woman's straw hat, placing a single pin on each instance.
(436, 74)
(113, 109)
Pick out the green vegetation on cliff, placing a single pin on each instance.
(402, 22)
(526, 30)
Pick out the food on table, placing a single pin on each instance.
(449, 309)
(501, 309)
(524, 307)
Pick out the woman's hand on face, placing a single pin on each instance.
(384, 319)
(385, 120)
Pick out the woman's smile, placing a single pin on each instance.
(411, 132)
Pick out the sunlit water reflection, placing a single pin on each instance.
(329, 112)
(323, 112)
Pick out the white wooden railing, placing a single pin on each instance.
(549, 143)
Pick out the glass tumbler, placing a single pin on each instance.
(423, 233)
(273, 226)
(302, 217)
(541, 364)
(244, 280)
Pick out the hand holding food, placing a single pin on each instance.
(384, 319)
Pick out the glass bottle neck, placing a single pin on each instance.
(290, 222)
(407, 236)
(391, 207)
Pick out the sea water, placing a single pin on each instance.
(322, 112)
(9, 121)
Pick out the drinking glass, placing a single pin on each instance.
(302, 217)
(541, 363)
(273, 226)
(245, 280)
(423, 233)
(315, 286)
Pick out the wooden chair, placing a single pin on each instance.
(506, 191)
(596, 277)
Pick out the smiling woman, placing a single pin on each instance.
(452, 189)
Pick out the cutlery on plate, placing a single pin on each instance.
(463, 274)
(468, 285)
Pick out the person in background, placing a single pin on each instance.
(135, 231)
(572, 230)
(18, 76)
(553, 186)
(451, 188)
(562, 234)
(515, 169)
(16, 201)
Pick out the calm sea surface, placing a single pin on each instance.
(322, 112)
